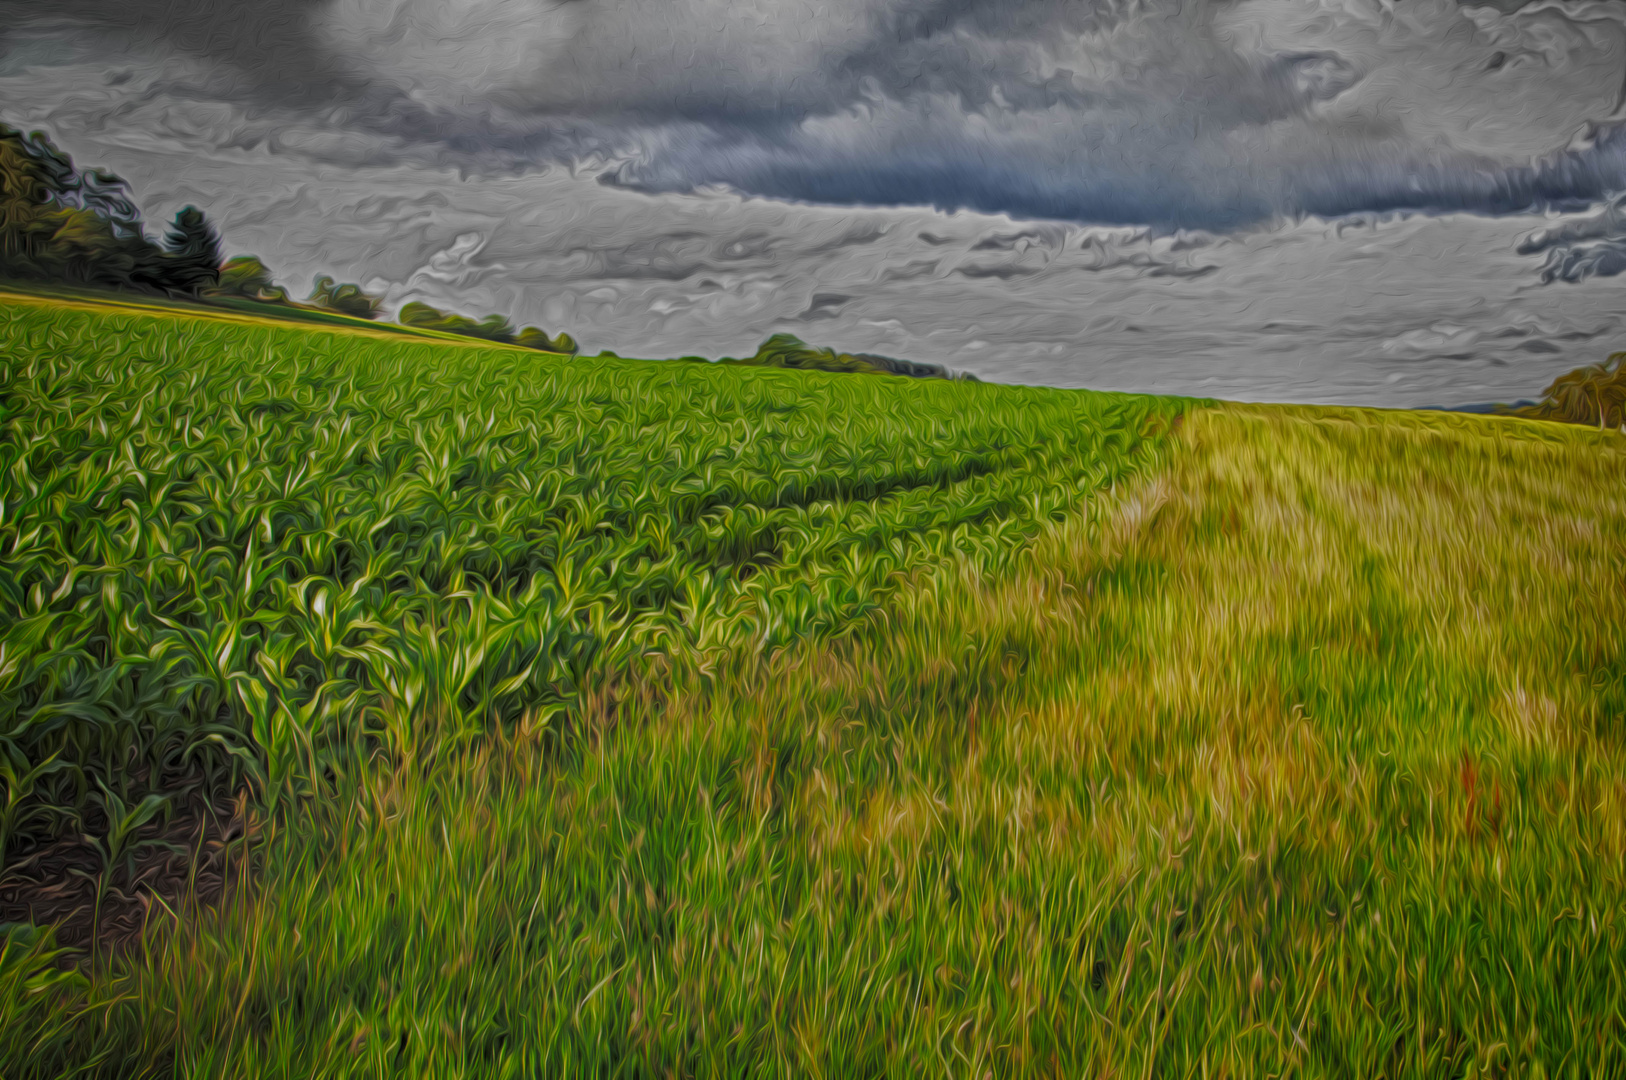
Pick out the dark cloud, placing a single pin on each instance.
(669, 257)
(857, 235)
(270, 47)
(824, 306)
(1162, 112)
(1583, 248)
(450, 153)
(1050, 238)
(915, 268)
(1003, 271)
(1604, 259)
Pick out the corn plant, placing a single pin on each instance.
(237, 553)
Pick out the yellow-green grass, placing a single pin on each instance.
(1296, 751)
(224, 309)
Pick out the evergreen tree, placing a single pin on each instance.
(193, 249)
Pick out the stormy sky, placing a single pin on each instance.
(1366, 201)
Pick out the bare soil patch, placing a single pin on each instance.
(178, 865)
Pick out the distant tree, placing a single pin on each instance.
(915, 369)
(27, 191)
(790, 351)
(33, 178)
(532, 337)
(58, 224)
(246, 277)
(421, 315)
(107, 195)
(1593, 395)
(495, 328)
(426, 317)
(346, 299)
(194, 252)
(78, 248)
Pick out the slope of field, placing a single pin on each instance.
(256, 547)
(884, 728)
(229, 310)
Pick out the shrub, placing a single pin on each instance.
(491, 328)
(246, 277)
(790, 351)
(346, 299)
(535, 338)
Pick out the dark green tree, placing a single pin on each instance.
(58, 224)
(427, 317)
(422, 316)
(535, 338)
(532, 337)
(346, 299)
(790, 351)
(495, 328)
(245, 277)
(193, 247)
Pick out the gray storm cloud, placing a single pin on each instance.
(1210, 198)
(1164, 112)
(1592, 246)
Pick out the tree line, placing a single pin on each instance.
(790, 351)
(58, 224)
(62, 225)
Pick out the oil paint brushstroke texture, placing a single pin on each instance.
(1355, 201)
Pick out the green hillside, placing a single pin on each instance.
(373, 706)
(219, 309)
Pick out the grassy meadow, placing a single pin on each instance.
(615, 718)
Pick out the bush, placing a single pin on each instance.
(346, 299)
(245, 277)
(790, 351)
(424, 317)
(535, 338)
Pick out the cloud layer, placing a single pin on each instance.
(1586, 247)
(1171, 113)
(1208, 198)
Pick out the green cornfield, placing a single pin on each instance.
(267, 548)
(620, 718)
